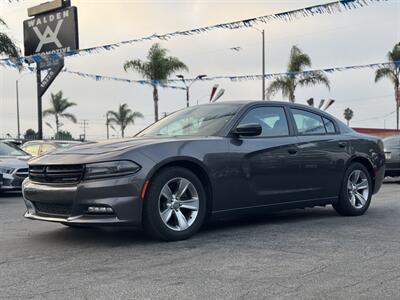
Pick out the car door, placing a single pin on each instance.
(266, 166)
(323, 153)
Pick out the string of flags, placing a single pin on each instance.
(287, 16)
(233, 78)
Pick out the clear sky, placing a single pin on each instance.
(358, 36)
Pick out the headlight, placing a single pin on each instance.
(110, 169)
(6, 170)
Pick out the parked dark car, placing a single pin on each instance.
(392, 153)
(40, 147)
(209, 161)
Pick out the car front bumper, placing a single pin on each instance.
(70, 204)
(392, 168)
(12, 182)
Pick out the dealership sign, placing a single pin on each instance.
(53, 32)
(52, 29)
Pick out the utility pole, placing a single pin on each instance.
(85, 123)
(18, 124)
(108, 126)
(39, 104)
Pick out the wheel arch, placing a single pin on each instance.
(193, 165)
(366, 163)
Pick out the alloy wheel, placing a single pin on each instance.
(178, 204)
(358, 188)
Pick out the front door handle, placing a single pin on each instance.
(342, 144)
(293, 150)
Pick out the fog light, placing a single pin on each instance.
(100, 210)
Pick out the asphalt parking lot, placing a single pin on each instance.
(299, 254)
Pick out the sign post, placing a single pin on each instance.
(52, 30)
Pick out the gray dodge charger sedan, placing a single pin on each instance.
(209, 161)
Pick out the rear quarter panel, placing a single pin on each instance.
(371, 149)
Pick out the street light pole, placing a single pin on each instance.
(263, 60)
(18, 124)
(263, 64)
(187, 96)
(198, 77)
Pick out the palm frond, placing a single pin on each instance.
(298, 60)
(7, 46)
(314, 79)
(69, 116)
(282, 84)
(385, 72)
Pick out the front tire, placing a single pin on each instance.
(356, 192)
(175, 205)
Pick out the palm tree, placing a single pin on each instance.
(59, 106)
(123, 117)
(288, 84)
(158, 67)
(392, 72)
(7, 45)
(348, 115)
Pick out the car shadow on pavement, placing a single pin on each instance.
(10, 194)
(120, 236)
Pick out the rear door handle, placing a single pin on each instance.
(293, 150)
(342, 144)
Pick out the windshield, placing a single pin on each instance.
(11, 150)
(203, 120)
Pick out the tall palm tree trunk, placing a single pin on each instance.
(57, 124)
(122, 131)
(155, 98)
(397, 95)
(292, 98)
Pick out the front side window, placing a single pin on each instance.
(272, 120)
(308, 123)
(202, 120)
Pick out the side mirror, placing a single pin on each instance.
(250, 129)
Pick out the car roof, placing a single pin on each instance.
(273, 102)
(50, 142)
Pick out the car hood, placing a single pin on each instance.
(12, 162)
(108, 146)
(110, 150)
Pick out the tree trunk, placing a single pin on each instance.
(397, 96)
(57, 125)
(155, 98)
(122, 131)
(292, 97)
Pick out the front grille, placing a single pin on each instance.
(53, 209)
(22, 173)
(68, 174)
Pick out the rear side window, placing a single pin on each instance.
(329, 126)
(308, 123)
(271, 119)
(393, 142)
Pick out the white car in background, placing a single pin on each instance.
(13, 166)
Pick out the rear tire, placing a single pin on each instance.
(175, 205)
(356, 191)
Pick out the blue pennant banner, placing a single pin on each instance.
(288, 16)
(234, 78)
